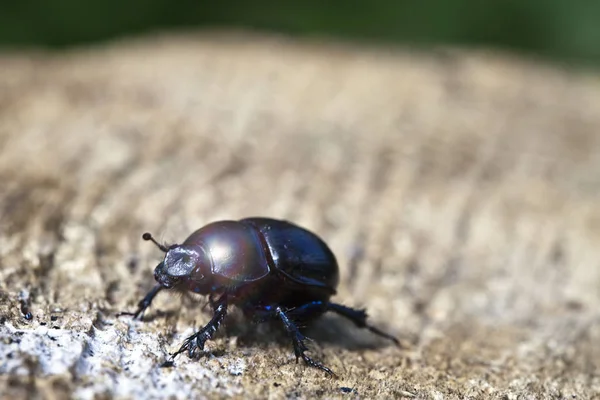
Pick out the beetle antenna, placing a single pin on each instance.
(148, 236)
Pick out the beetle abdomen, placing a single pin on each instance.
(298, 253)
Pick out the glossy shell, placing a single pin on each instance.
(250, 249)
(236, 250)
(298, 253)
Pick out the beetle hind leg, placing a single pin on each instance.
(298, 340)
(359, 317)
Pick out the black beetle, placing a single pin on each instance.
(270, 269)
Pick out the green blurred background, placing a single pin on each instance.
(556, 29)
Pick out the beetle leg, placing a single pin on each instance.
(260, 314)
(298, 340)
(144, 303)
(308, 311)
(359, 317)
(197, 340)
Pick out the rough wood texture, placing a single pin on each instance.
(459, 191)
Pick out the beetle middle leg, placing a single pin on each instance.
(197, 340)
(298, 340)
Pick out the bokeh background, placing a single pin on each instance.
(555, 29)
(447, 151)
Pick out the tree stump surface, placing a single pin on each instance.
(459, 190)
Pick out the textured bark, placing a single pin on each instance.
(460, 192)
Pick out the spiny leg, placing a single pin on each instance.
(197, 340)
(298, 341)
(144, 303)
(359, 317)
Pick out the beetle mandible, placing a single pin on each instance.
(271, 269)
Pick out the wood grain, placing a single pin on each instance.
(459, 191)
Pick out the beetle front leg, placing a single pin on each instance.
(144, 303)
(197, 340)
(298, 341)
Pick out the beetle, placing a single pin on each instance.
(271, 269)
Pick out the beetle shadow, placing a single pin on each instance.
(147, 317)
(158, 315)
(328, 329)
(336, 330)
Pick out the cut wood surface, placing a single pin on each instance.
(459, 190)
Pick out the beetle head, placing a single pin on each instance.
(183, 264)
